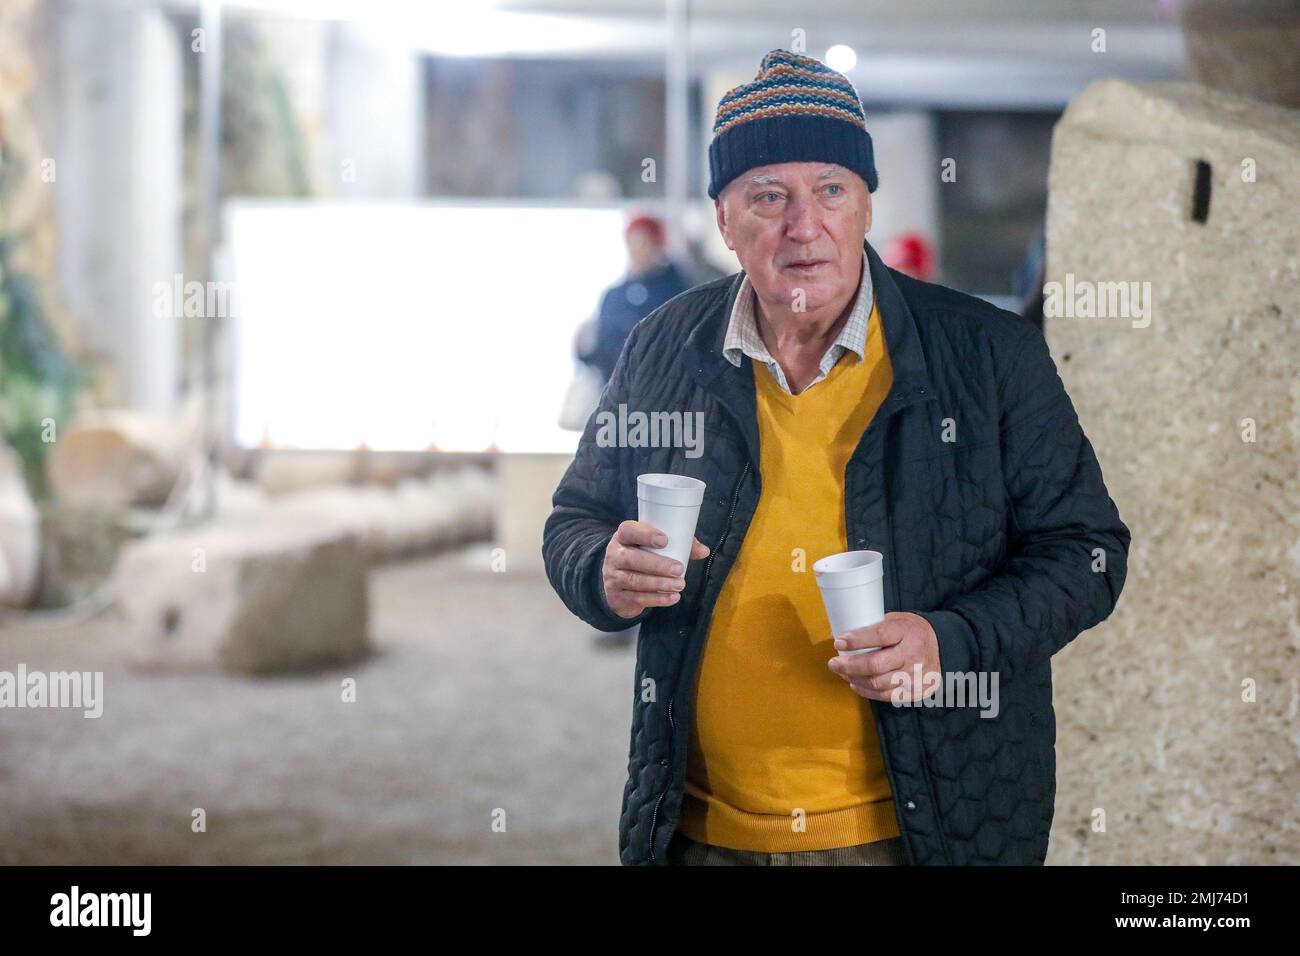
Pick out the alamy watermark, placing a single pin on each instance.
(195, 300)
(949, 689)
(1084, 299)
(82, 690)
(129, 910)
(639, 429)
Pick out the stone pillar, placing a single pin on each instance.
(118, 152)
(1177, 717)
(375, 120)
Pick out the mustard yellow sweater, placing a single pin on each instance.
(783, 754)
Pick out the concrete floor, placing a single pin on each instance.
(484, 693)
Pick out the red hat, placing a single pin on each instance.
(651, 223)
(911, 253)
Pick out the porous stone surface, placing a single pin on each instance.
(278, 597)
(1177, 717)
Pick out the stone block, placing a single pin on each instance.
(1194, 412)
(268, 598)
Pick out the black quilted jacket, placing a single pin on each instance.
(1005, 540)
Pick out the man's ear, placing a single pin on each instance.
(721, 213)
(868, 224)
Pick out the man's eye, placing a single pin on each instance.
(834, 186)
(773, 196)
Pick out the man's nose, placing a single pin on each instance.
(803, 220)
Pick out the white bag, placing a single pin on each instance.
(581, 398)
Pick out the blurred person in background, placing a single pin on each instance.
(652, 279)
(911, 254)
(1029, 277)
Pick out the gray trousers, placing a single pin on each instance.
(683, 851)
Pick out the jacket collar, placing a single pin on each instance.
(735, 386)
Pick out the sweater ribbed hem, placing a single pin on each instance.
(707, 819)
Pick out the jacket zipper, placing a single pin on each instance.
(708, 567)
(925, 758)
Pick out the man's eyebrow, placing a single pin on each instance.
(770, 179)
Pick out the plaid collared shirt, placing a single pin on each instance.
(743, 339)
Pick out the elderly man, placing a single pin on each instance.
(845, 406)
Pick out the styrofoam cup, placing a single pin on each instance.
(852, 587)
(671, 503)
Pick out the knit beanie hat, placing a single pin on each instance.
(797, 109)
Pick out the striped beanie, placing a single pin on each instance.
(797, 109)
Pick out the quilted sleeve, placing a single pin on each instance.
(1068, 546)
(586, 511)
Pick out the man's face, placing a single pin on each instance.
(797, 226)
(643, 248)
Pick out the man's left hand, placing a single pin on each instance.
(905, 640)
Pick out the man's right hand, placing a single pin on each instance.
(634, 579)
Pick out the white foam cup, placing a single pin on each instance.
(671, 503)
(852, 587)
